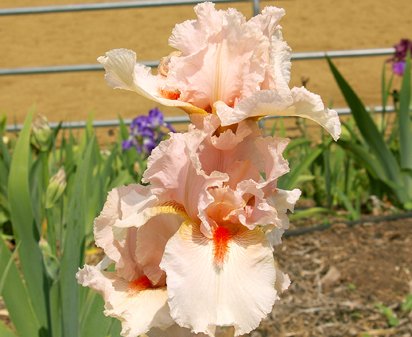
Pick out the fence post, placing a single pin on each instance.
(256, 7)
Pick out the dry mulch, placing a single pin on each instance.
(339, 276)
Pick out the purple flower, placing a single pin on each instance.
(398, 68)
(399, 58)
(127, 144)
(147, 131)
(156, 117)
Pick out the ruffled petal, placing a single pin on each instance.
(257, 211)
(268, 21)
(121, 203)
(261, 103)
(179, 39)
(279, 65)
(138, 311)
(122, 72)
(229, 139)
(182, 180)
(173, 331)
(228, 64)
(151, 241)
(278, 76)
(310, 105)
(243, 154)
(203, 295)
(301, 103)
(283, 201)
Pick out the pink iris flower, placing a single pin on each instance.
(224, 65)
(129, 278)
(193, 250)
(195, 246)
(219, 264)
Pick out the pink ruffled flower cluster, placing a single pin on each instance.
(193, 250)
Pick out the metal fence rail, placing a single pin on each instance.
(173, 120)
(108, 6)
(316, 55)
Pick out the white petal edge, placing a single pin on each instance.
(283, 201)
(122, 72)
(138, 311)
(309, 105)
(261, 103)
(121, 203)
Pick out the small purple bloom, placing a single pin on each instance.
(398, 68)
(127, 144)
(155, 117)
(399, 58)
(149, 144)
(146, 132)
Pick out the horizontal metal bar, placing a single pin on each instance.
(173, 120)
(342, 53)
(101, 6)
(97, 67)
(61, 69)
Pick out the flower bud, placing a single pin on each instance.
(56, 187)
(41, 136)
(51, 262)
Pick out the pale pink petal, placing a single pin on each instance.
(151, 241)
(257, 211)
(119, 65)
(270, 160)
(192, 35)
(278, 65)
(121, 203)
(261, 103)
(147, 232)
(244, 154)
(228, 66)
(283, 201)
(278, 75)
(229, 139)
(209, 123)
(310, 105)
(282, 281)
(268, 20)
(173, 331)
(241, 170)
(179, 39)
(221, 203)
(175, 172)
(122, 72)
(269, 102)
(203, 295)
(232, 152)
(138, 311)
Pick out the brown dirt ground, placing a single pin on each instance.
(78, 38)
(339, 276)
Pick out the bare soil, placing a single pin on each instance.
(79, 38)
(339, 277)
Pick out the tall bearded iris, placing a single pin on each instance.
(202, 232)
(219, 264)
(193, 250)
(225, 65)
